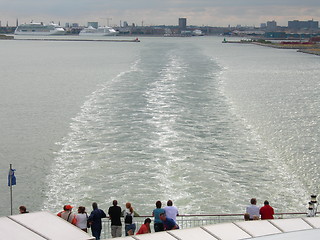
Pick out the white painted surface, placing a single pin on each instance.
(192, 234)
(13, 231)
(289, 225)
(314, 221)
(51, 226)
(258, 228)
(156, 236)
(227, 231)
(313, 234)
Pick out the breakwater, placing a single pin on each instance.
(310, 48)
(70, 39)
(5, 37)
(285, 46)
(311, 51)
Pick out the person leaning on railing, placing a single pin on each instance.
(128, 215)
(171, 211)
(114, 215)
(145, 228)
(253, 209)
(266, 211)
(94, 220)
(168, 223)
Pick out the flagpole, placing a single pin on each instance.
(10, 182)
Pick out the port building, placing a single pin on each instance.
(182, 23)
(299, 25)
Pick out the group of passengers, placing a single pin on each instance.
(164, 219)
(253, 212)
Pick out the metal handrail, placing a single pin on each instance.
(226, 214)
(193, 220)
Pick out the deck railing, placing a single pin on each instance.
(189, 221)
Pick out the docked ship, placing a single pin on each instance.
(197, 32)
(39, 29)
(100, 31)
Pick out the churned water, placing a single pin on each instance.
(206, 124)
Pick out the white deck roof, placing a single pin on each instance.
(39, 226)
(305, 234)
(276, 229)
(228, 231)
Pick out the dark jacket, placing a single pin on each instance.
(115, 214)
(95, 218)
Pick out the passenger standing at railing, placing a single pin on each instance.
(171, 211)
(94, 220)
(158, 225)
(67, 214)
(128, 214)
(253, 209)
(266, 211)
(82, 218)
(114, 215)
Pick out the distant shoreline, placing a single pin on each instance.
(5, 37)
(78, 40)
(304, 48)
(309, 49)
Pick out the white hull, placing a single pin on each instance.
(101, 31)
(97, 34)
(54, 32)
(39, 29)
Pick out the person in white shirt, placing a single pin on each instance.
(253, 209)
(82, 218)
(171, 211)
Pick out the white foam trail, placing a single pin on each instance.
(73, 177)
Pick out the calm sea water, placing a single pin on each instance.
(206, 124)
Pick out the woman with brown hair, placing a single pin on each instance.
(82, 218)
(128, 215)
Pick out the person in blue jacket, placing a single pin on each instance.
(168, 223)
(94, 220)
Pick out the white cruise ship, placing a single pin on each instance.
(39, 29)
(100, 31)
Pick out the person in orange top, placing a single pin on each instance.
(68, 215)
(266, 211)
(145, 228)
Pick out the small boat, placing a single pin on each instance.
(197, 32)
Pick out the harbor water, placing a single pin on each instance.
(206, 124)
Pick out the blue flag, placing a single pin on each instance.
(11, 177)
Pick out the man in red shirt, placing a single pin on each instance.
(266, 211)
(145, 228)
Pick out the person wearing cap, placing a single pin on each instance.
(68, 215)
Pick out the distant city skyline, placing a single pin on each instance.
(166, 12)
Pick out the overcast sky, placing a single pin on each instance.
(158, 12)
